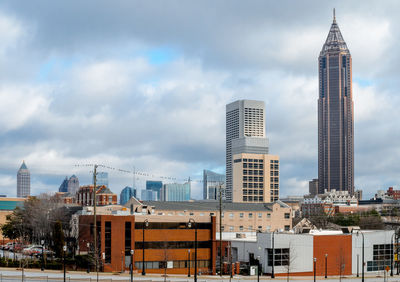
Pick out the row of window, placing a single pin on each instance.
(274, 166)
(172, 264)
(274, 179)
(253, 185)
(274, 173)
(253, 198)
(251, 165)
(254, 178)
(253, 172)
(250, 215)
(251, 192)
(250, 228)
(173, 245)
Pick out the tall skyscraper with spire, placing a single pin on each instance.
(335, 115)
(23, 181)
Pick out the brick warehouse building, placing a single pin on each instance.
(167, 241)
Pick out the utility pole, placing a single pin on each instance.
(95, 222)
(220, 230)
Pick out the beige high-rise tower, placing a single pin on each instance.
(335, 115)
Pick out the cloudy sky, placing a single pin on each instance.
(144, 84)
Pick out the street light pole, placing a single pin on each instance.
(326, 266)
(131, 265)
(273, 255)
(258, 268)
(315, 269)
(145, 223)
(42, 268)
(362, 275)
(64, 250)
(392, 255)
(192, 221)
(189, 263)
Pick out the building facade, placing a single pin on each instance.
(313, 187)
(126, 194)
(255, 178)
(335, 115)
(64, 186)
(245, 133)
(175, 192)
(104, 196)
(236, 217)
(212, 184)
(23, 181)
(168, 245)
(102, 178)
(149, 195)
(156, 186)
(73, 184)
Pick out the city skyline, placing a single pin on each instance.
(125, 90)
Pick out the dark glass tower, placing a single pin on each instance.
(335, 115)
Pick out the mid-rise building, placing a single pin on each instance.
(394, 194)
(359, 194)
(126, 194)
(104, 196)
(23, 181)
(102, 178)
(255, 178)
(245, 133)
(175, 192)
(149, 195)
(335, 115)
(313, 187)
(212, 183)
(64, 186)
(156, 186)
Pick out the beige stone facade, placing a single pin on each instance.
(255, 178)
(236, 217)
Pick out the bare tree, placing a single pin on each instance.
(291, 256)
(341, 263)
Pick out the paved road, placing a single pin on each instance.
(7, 275)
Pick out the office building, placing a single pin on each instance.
(255, 178)
(245, 133)
(149, 195)
(73, 185)
(335, 115)
(102, 179)
(64, 186)
(175, 192)
(212, 183)
(23, 181)
(313, 187)
(104, 196)
(154, 186)
(126, 194)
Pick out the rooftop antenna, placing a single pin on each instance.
(334, 15)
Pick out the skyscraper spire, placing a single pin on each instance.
(334, 15)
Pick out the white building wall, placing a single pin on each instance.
(371, 238)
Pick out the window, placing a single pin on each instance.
(259, 227)
(259, 215)
(241, 215)
(268, 215)
(287, 227)
(222, 215)
(250, 215)
(237, 161)
(128, 236)
(241, 228)
(231, 228)
(107, 242)
(281, 257)
(231, 215)
(382, 256)
(250, 227)
(287, 215)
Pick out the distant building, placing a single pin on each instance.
(104, 196)
(313, 187)
(64, 186)
(73, 185)
(102, 179)
(255, 178)
(394, 194)
(358, 194)
(70, 185)
(212, 182)
(23, 181)
(154, 186)
(149, 195)
(245, 133)
(126, 194)
(175, 192)
(7, 206)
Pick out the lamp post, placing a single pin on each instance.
(326, 266)
(131, 265)
(145, 224)
(392, 255)
(273, 255)
(189, 263)
(190, 224)
(88, 249)
(258, 268)
(64, 250)
(315, 269)
(362, 273)
(42, 267)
